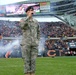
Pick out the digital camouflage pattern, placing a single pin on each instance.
(29, 44)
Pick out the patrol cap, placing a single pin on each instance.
(28, 8)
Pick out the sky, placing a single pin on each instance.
(4, 2)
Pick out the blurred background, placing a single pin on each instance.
(57, 20)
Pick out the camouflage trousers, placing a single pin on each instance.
(29, 54)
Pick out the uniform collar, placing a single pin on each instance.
(31, 19)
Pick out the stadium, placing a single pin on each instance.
(57, 44)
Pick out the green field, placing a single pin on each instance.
(44, 66)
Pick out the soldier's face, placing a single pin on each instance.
(30, 12)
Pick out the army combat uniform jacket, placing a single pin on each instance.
(30, 30)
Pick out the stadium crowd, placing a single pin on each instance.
(57, 29)
(47, 30)
(10, 28)
(61, 45)
(52, 29)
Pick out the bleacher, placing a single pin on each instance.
(56, 33)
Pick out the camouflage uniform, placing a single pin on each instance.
(29, 44)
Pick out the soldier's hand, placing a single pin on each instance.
(21, 20)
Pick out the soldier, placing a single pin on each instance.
(29, 44)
